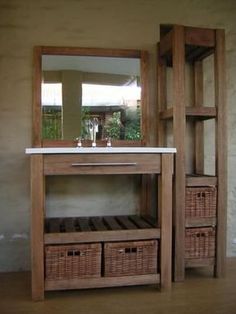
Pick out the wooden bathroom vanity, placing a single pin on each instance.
(64, 231)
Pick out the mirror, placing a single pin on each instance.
(89, 93)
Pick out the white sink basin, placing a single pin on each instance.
(99, 150)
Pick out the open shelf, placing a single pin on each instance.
(192, 54)
(199, 43)
(199, 113)
(99, 229)
(180, 46)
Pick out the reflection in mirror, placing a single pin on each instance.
(90, 97)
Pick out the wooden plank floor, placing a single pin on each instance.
(199, 294)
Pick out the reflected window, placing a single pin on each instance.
(52, 110)
(115, 109)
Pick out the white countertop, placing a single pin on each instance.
(99, 150)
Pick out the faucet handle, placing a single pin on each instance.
(79, 141)
(108, 142)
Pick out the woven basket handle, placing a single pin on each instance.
(128, 250)
(201, 194)
(75, 253)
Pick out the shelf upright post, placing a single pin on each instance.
(166, 219)
(221, 151)
(162, 97)
(179, 125)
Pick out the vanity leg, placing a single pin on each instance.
(146, 194)
(37, 227)
(166, 219)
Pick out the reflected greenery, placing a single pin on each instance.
(123, 125)
(52, 123)
(115, 127)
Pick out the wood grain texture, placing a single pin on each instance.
(97, 236)
(89, 51)
(37, 227)
(221, 151)
(102, 282)
(200, 262)
(166, 43)
(63, 164)
(194, 180)
(97, 229)
(199, 126)
(191, 44)
(146, 194)
(161, 98)
(112, 223)
(146, 122)
(179, 125)
(199, 36)
(145, 116)
(36, 111)
(200, 222)
(166, 220)
(200, 113)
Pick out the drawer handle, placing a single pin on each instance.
(87, 164)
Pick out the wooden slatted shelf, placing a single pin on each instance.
(200, 113)
(97, 229)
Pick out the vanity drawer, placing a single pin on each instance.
(66, 164)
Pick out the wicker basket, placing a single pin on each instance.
(200, 242)
(200, 201)
(130, 258)
(72, 261)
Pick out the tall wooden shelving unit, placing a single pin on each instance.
(180, 46)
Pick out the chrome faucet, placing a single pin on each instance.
(108, 142)
(94, 129)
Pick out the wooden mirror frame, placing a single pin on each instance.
(39, 51)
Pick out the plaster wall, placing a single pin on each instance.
(87, 23)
